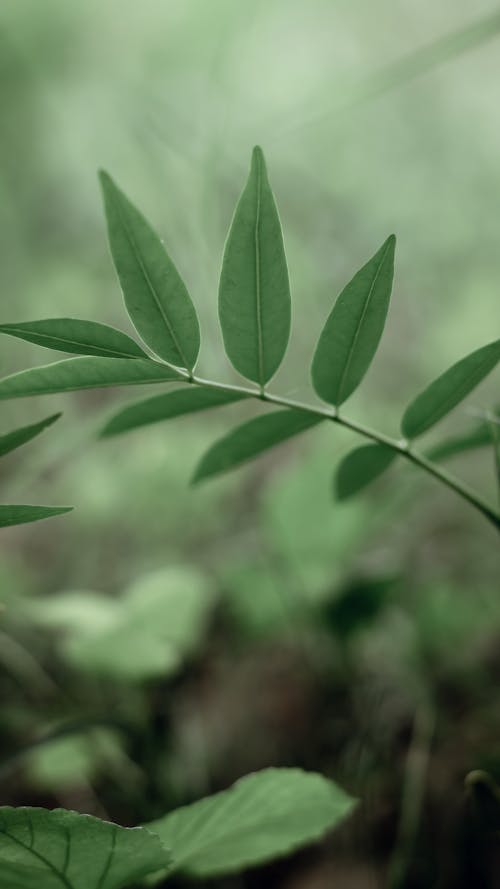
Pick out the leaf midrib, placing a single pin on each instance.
(229, 835)
(65, 339)
(143, 268)
(60, 876)
(258, 294)
(360, 325)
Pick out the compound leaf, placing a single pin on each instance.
(12, 440)
(361, 467)
(59, 849)
(75, 335)
(252, 438)
(254, 291)
(448, 390)
(167, 405)
(21, 515)
(155, 295)
(84, 373)
(353, 329)
(262, 816)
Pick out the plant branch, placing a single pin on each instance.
(401, 447)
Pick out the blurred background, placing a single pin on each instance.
(361, 640)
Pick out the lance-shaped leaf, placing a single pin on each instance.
(74, 335)
(261, 817)
(361, 467)
(353, 329)
(155, 294)
(254, 291)
(84, 373)
(252, 438)
(167, 405)
(21, 515)
(41, 849)
(12, 440)
(479, 437)
(448, 390)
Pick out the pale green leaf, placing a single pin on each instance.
(155, 295)
(254, 291)
(167, 405)
(41, 849)
(353, 329)
(252, 438)
(361, 467)
(12, 440)
(151, 630)
(448, 390)
(84, 373)
(263, 816)
(74, 335)
(21, 515)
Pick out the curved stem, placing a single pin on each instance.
(401, 447)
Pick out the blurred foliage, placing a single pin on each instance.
(325, 627)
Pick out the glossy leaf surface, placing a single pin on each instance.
(74, 335)
(448, 390)
(353, 329)
(155, 295)
(254, 291)
(262, 816)
(252, 438)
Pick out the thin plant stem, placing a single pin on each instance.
(402, 447)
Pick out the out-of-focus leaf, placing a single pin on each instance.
(12, 440)
(448, 390)
(21, 515)
(74, 335)
(167, 405)
(155, 294)
(41, 849)
(261, 817)
(353, 329)
(477, 438)
(149, 631)
(84, 373)
(254, 291)
(361, 467)
(252, 438)
(357, 606)
(67, 761)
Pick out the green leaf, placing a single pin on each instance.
(41, 849)
(74, 335)
(353, 329)
(361, 467)
(84, 373)
(12, 440)
(476, 438)
(441, 396)
(151, 630)
(167, 405)
(254, 291)
(155, 295)
(21, 515)
(252, 438)
(263, 816)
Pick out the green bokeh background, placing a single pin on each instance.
(170, 97)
